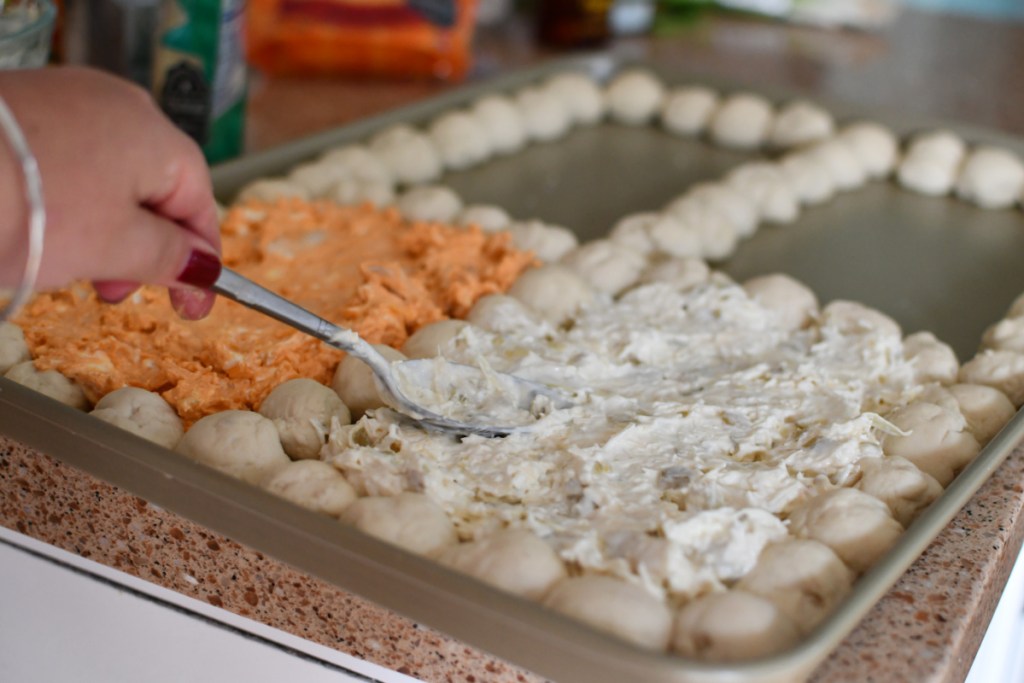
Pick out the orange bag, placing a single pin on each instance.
(395, 38)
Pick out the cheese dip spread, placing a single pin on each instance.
(699, 423)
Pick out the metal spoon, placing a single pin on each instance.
(396, 380)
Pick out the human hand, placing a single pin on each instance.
(128, 196)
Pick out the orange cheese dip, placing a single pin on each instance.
(362, 268)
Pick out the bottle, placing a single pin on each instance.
(573, 23)
(199, 76)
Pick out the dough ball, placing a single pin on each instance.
(302, 411)
(633, 232)
(501, 313)
(992, 178)
(1003, 370)
(485, 216)
(634, 97)
(49, 383)
(553, 291)
(900, 484)
(13, 349)
(545, 117)
(718, 236)
(859, 528)
(840, 163)
(502, 121)
(430, 203)
(874, 145)
(313, 484)
(793, 302)
(236, 442)
(850, 317)
(688, 110)
(931, 163)
(737, 208)
(938, 440)
(355, 191)
(408, 154)
(513, 560)
(681, 273)
(806, 179)
(142, 413)
(430, 340)
(616, 607)
(580, 95)
(355, 384)
(763, 184)
(658, 233)
(358, 163)
(318, 177)
(409, 520)
(1016, 309)
(606, 266)
(932, 360)
(547, 242)
(742, 121)
(732, 626)
(272, 189)
(804, 578)
(986, 409)
(1005, 335)
(800, 123)
(460, 139)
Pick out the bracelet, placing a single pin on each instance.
(33, 186)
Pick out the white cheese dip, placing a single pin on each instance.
(700, 423)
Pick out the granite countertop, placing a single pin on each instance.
(927, 628)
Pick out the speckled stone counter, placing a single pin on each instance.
(926, 629)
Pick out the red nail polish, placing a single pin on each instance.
(202, 270)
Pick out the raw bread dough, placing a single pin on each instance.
(874, 145)
(429, 340)
(236, 442)
(355, 384)
(858, 527)
(547, 242)
(355, 191)
(837, 159)
(763, 184)
(545, 116)
(804, 578)
(432, 203)
(142, 413)
(485, 216)
(732, 626)
(513, 560)
(616, 607)
(938, 440)
(553, 291)
(682, 273)
(800, 123)
(272, 189)
(992, 178)
(49, 383)
(303, 410)
(608, 267)
(742, 121)
(793, 302)
(986, 409)
(409, 520)
(931, 163)
(806, 179)
(850, 317)
(737, 208)
(313, 484)
(634, 97)
(932, 360)
(900, 484)
(633, 232)
(502, 313)
(657, 233)
(502, 121)
(13, 349)
(408, 154)
(318, 177)
(1005, 335)
(359, 163)
(688, 110)
(718, 235)
(580, 95)
(460, 139)
(1003, 370)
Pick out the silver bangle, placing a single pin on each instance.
(33, 186)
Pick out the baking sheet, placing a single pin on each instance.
(931, 264)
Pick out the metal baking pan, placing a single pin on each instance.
(935, 264)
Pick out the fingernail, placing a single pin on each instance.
(202, 270)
